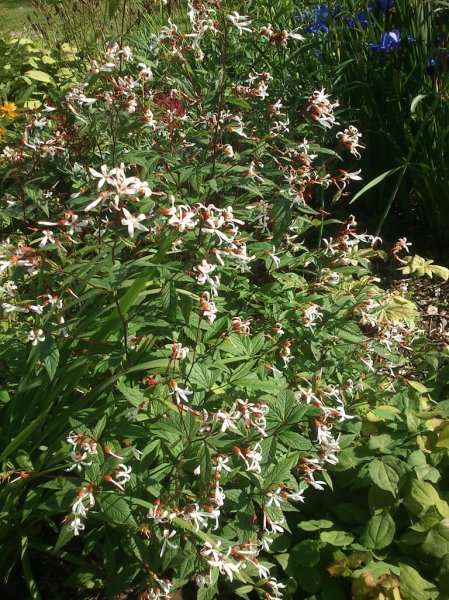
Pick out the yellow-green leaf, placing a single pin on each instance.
(39, 76)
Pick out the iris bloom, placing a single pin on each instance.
(383, 4)
(321, 16)
(390, 40)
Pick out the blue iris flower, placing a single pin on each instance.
(432, 68)
(361, 17)
(389, 40)
(382, 4)
(321, 16)
(438, 66)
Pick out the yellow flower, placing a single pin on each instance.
(9, 109)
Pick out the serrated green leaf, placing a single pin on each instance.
(49, 354)
(117, 509)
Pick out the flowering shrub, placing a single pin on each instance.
(183, 351)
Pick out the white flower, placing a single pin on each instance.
(145, 71)
(79, 461)
(126, 52)
(219, 495)
(213, 551)
(78, 508)
(133, 222)
(226, 419)
(295, 36)
(240, 21)
(275, 497)
(274, 257)
(123, 474)
(266, 542)
(179, 393)
(208, 309)
(8, 308)
(165, 585)
(8, 288)
(264, 572)
(104, 176)
(179, 352)
(200, 517)
(181, 217)
(166, 536)
(276, 587)
(296, 496)
(35, 336)
(321, 108)
(311, 314)
(222, 463)
(252, 458)
(229, 150)
(318, 485)
(274, 525)
(349, 138)
(76, 526)
(47, 237)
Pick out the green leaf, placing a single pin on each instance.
(186, 305)
(423, 495)
(169, 299)
(307, 553)
(207, 592)
(281, 470)
(116, 508)
(112, 7)
(442, 272)
(65, 535)
(49, 354)
(27, 571)
(133, 394)
(39, 76)
(336, 538)
(415, 587)
(437, 540)
(386, 473)
(24, 434)
(130, 297)
(375, 182)
(315, 525)
(281, 214)
(379, 532)
(294, 440)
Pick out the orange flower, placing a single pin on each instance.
(9, 109)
